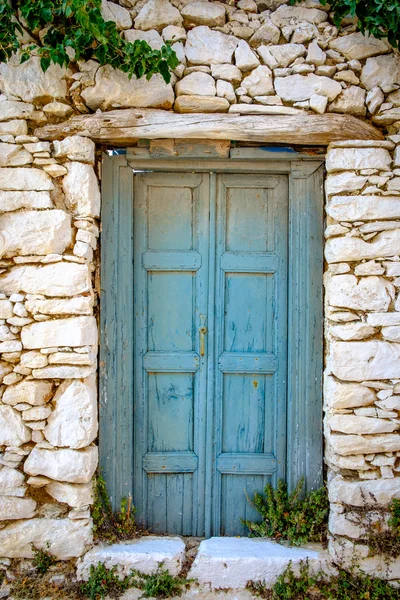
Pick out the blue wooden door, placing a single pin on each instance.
(210, 347)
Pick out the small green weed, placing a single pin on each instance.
(289, 517)
(161, 584)
(42, 560)
(107, 524)
(343, 586)
(382, 541)
(104, 582)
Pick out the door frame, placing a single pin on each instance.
(305, 306)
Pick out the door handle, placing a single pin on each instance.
(203, 331)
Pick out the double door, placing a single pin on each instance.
(210, 347)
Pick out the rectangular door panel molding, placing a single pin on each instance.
(210, 360)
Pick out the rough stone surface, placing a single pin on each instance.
(73, 422)
(157, 14)
(205, 46)
(76, 331)
(35, 393)
(368, 293)
(259, 83)
(73, 494)
(360, 493)
(358, 46)
(63, 538)
(71, 466)
(35, 232)
(365, 361)
(195, 104)
(24, 179)
(13, 431)
(219, 561)
(59, 279)
(196, 83)
(81, 190)
(12, 508)
(75, 148)
(351, 101)
(296, 88)
(382, 71)
(28, 81)
(10, 201)
(143, 555)
(203, 13)
(114, 89)
(346, 159)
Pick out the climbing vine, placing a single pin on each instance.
(63, 30)
(380, 18)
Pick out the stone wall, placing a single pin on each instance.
(248, 57)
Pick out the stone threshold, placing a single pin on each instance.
(220, 562)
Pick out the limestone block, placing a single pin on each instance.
(203, 13)
(13, 155)
(268, 33)
(76, 148)
(81, 190)
(259, 82)
(13, 431)
(351, 101)
(375, 99)
(35, 232)
(33, 360)
(359, 46)
(245, 58)
(28, 81)
(347, 159)
(11, 482)
(367, 293)
(355, 249)
(365, 361)
(152, 37)
(392, 334)
(352, 331)
(361, 493)
(10, 201)
(285, 54)
(14, 127)
(172, 32)
(352, 524)
(58, 109)
(24, 179)
(228, 562)
(360, 425)
(296, 88)
(346, 445)
(363, 208)
(73, 422)
(12, 109)
(207, 47)
(294, 15)
(344, 182)
(81, 305)
(114, 88)
(352, 463)
(72, 466)
(76, 331)
(384, 319)
(226, 90)
(227, 72)
(36, 413)
(110, 11)
(318, 103)
(197, 84)
(12, 508)
(27, 391)
(315, 55)
(57, 279)
(195, 104)
(381, 71)
(63, 538)
(157, 14)
(348, 554)
(73, 494)
(6, 309)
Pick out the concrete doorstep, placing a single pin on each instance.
(220, 563)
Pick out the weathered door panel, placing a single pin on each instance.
(251, 343)
(170, 302)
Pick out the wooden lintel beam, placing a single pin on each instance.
(125, 126)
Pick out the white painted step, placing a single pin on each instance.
(229, 562)
(145, 554)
